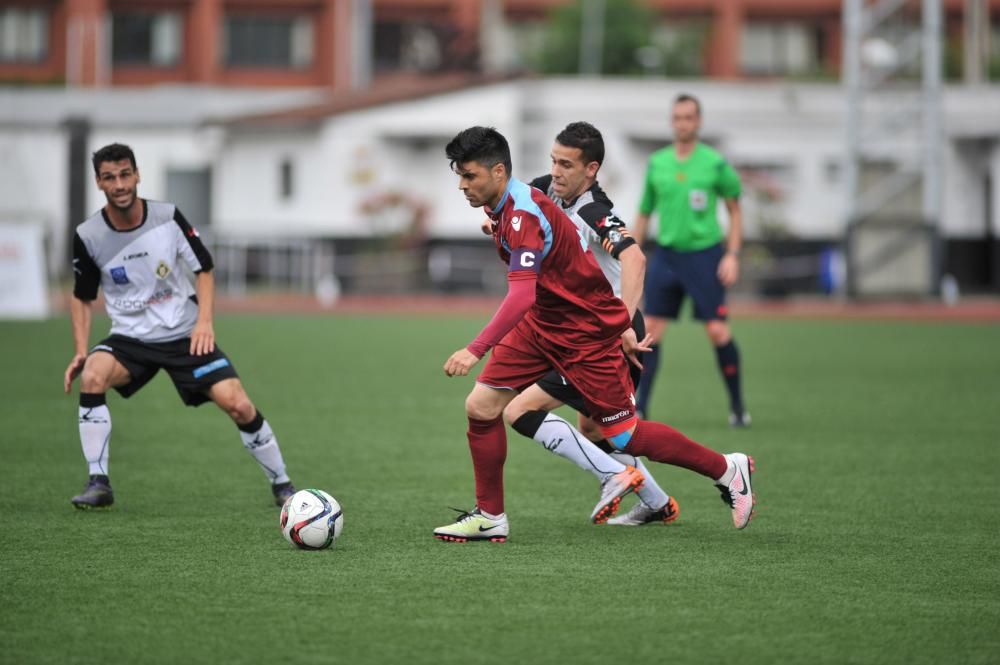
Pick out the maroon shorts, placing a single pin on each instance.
(600, 372)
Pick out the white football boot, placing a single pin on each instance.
(737, 493)
(612, 490)
(642, 514)
(474, 526)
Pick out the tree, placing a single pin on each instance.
(627, 28)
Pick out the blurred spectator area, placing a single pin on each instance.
(345, 43)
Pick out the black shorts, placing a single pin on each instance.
(671, 276)
(192, 375)
(557, 386)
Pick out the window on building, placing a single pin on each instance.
(411, 46)
(681, 42)
(780, 48)
(525, 43)
(151, 39)
(24, 34)
(268, 41)
(993, 68)
(287, 179)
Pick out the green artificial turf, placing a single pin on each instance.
(877, 448)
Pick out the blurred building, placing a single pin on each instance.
(324, 121)
(344, 43)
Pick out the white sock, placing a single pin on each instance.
(650, 493)
(95, 435)
(559, 437)
(264, 447)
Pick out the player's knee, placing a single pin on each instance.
(514, 410)
(94, 381)
(241, 410)
(525, 423)
(718, 332)
(590, 429)
(236, 404)
(479, 409)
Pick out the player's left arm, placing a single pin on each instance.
(633, 274)
(729, 187)
(86, 282)
(203, 335)
(619, 243)
(193, 251)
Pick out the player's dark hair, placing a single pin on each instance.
(586, 137)
(114, 152)
(684, 97)
(483, 145)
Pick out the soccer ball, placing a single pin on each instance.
(311, 519)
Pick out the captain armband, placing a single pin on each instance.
(616, 241)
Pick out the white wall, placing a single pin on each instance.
(790, 134)
(965, 166)
(342, 161)
(349, 159)
(995, 195)
(156, 152)
(33, 183)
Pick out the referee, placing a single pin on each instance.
(683, 184)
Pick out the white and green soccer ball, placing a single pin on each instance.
(311, 519)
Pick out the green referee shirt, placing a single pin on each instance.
(684, 193)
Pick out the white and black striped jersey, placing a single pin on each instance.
(149, 296)
(605, 233)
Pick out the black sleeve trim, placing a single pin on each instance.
(542, 182)
(86, 274)
(600, 196)
(593, 213)
(197, 246)
(608, 226)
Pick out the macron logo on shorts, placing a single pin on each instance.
(210, 367)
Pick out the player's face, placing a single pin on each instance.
(686, 121)
(571, 176)
(118, 180)
(481, 185)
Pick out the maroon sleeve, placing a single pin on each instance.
(520, 297)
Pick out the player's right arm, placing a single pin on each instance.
(527, 243)
(80, 315)
(86, 280)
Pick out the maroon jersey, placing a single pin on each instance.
(574, 304)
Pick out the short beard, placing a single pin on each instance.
(119, 208)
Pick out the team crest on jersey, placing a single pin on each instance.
(119, 276)
(162, 269)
